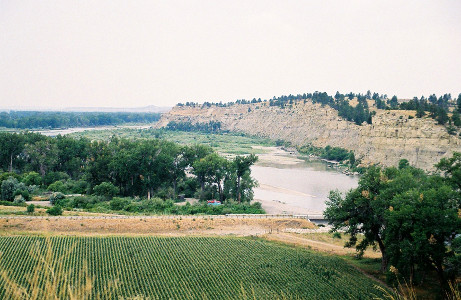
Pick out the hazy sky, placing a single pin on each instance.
(137, 53)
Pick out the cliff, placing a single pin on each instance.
(391, 137)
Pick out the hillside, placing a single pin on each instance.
(391, 137)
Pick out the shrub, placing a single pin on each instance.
(106, 189)
(119, 203)
(54, 211)
(55, 197)
(31, 208)
(23, 193)
(19, 199)
(54, 176)
(32, 178)
(8, 188)
(57, 186)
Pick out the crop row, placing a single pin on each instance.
(176, 268)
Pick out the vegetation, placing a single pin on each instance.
(173, 268)
(119, 167)
(222, 142)
(209, 127)
(40, 120)
(410, 215)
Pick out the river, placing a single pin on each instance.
(294, 186)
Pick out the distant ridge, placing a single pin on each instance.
(145, 109)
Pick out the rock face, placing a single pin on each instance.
(391, 137)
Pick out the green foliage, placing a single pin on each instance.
(30, 208)
(403, 163)
(210, 127)
(106, 189)
(410, 215)
(160, 267)
(35, 119)
(55, 197)
(54, 211)
(32, 178)
(8, 188)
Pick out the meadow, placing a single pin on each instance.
(230, 143)
(172, 268)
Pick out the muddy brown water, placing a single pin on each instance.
(300, 188)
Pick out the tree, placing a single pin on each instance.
(242, 165)
(394, 103)
(451, 169)
(442, 116)
(9, 188)
(106, 189)
(11, 145)
(421, 225)
(217, 167)
(362, 210)
(458, 102)
(42, 155)
(455, 118)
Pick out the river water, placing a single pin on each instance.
(300, 187)
(286, 184)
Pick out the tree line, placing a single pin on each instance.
(121, 167)
(37, 119)
(410, 215)
(188, 126)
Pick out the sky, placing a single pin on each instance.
(59, 54)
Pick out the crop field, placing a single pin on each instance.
(172, 268)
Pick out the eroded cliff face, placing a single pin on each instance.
(391, 137)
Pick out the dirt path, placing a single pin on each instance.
(299, 240)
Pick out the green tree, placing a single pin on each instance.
(421, 225)
(42, 155)
(242, 165)
(451, 169)
(9, 188)
(394, 103)
(458, 102)
(11, 145)
(455, 118)
(106, 189)
(442, 116)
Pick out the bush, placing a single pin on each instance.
(31, 209)
(19, 199)
(24, 193)
(32, 178)
(58, 186)
(54, 211)
(8, 188)
(55, 197)
(119, 203)
(54, 176)
(106, 189)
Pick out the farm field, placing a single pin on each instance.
(173, 268)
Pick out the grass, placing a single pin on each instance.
(230, 143)
(172, 268)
